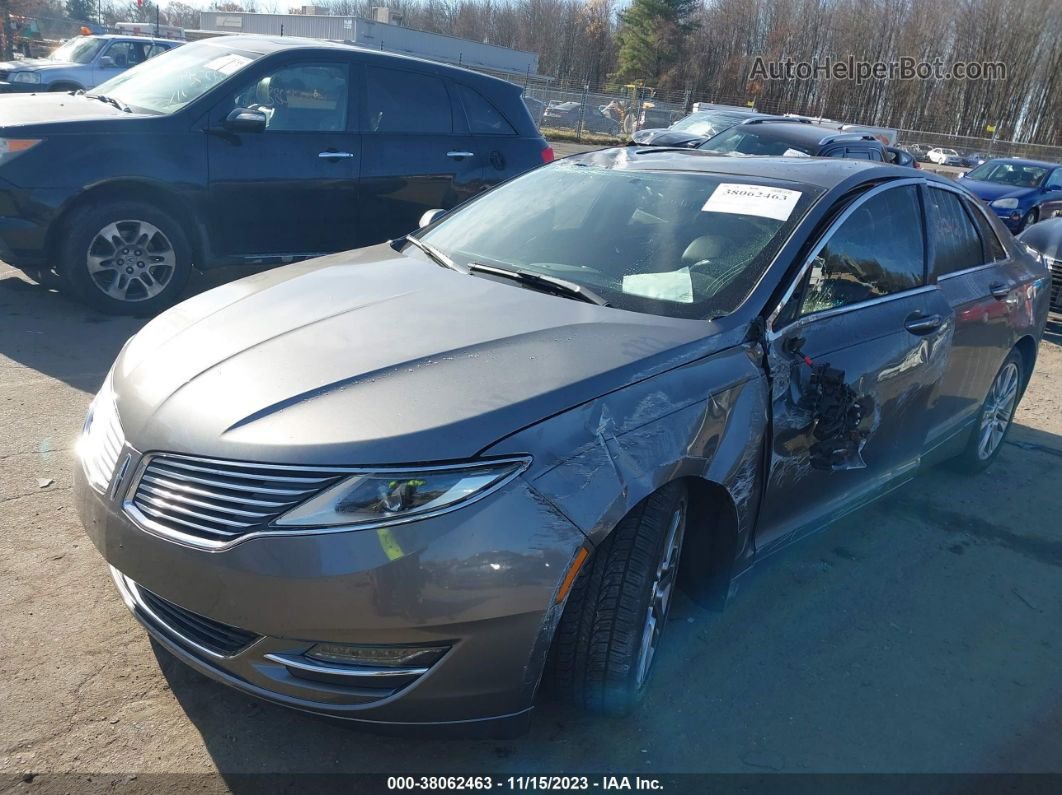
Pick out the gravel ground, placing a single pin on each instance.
(919, 635)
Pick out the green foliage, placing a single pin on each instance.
(651, 37)
(83, 10)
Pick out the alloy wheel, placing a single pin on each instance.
(998, 410)
(131, 260)
(663, 589)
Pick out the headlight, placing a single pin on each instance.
(25, 77)
(13, 147)
(389, 496)
(1005, 204)
(101, 438)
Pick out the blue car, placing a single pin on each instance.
(1020, 192)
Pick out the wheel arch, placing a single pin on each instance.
(156, 194)
(1026, 346)
(65, 85)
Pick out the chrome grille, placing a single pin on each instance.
(211, 502)
(1056, 283)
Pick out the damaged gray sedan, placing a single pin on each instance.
(408, 485)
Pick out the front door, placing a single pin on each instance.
(855, 355)
(418, 155)
(291, 190)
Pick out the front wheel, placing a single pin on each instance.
(1030, 218)
(995, 417)
(607, 639)
(125, 258)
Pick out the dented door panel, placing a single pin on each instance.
(888, 374)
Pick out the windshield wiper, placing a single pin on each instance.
(541, 282)
(435, 254)
(111, 101)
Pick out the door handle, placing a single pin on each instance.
(459, 155)
(999, 290)
(330, 154)
(920, 324)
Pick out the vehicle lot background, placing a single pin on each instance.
(920, 634)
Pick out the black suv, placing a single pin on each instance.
(779, 136)
(244, 150)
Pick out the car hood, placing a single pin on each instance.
(33, 64)
(373, 357)
(665, 137)
(990, 191)
(44, 108)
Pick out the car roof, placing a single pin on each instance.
(129, 37)
(802, 133)
(824, 172)
(267, 45)
(1020, 161)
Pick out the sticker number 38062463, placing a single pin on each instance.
(761, 200)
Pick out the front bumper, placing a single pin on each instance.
(19, 88)
(481, 580)
(1010, 218)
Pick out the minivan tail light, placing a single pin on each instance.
(547, 154)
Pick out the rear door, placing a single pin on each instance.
(854, 356)
(417, 152)
(290, 191)
(970, 267)
(494, 138)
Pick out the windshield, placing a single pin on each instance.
(705, 123)
(1016, 174)
(169, 81)
(685, 245)
(742, 140)
(80, 50)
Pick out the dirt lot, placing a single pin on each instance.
(921, 634)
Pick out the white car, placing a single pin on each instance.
(944, 157)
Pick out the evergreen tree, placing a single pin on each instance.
(650, 37)
(81, 10)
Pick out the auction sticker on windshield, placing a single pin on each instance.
(227, 64)
(739, 199)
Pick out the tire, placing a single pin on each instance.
(995, 417)
(62, 87)
(604, 645)
(1029, 219)
(101, 241)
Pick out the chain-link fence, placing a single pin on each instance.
(611, 112)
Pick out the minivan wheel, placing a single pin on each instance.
(608, 636)
(995, 417)
(125, 258)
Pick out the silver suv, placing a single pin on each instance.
(81, 62)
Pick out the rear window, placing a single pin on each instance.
(483, 117)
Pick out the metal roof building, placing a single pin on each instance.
(378, 36)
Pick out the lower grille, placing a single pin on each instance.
(211, 635)
(210, 502)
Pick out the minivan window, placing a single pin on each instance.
(956, 245)
(878, 250)
(170, 81)
(682, 245)
(407, 102)
(483, 118)
(300, 98)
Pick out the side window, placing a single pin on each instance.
(992, 249)
(156, 49)
(878, 250)
(956, 245)
(121, 52)
(300, 98)
(483, 118)
(858, 154)
(407, 102)
(1054, 182)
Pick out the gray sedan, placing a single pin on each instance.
(406, 485)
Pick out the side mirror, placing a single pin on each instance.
(107, 62)
(430, 217)
(962, 175)
(245, 120)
